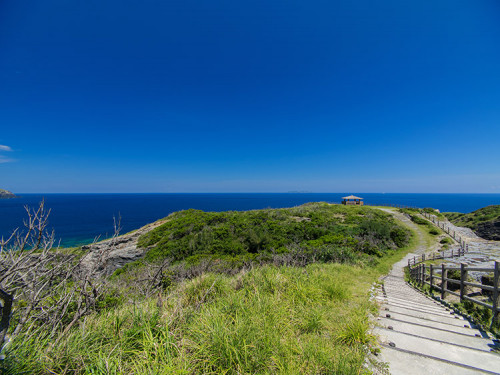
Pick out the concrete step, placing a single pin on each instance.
(407, 298)
(423, 302)
(447, 319)
(438, 334)
(406, 294)
(470, 357)
(442, 313)
(400, 303)
(413, 296)
(427, 323)
(407, 363)
(409, 315)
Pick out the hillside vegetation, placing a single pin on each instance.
(314, 228)
(485, 222)
(291, 297)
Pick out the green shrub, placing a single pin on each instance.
(418, 220)
(330, 230)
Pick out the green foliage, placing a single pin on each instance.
(271, 320)
(418, 220)
(434, 212)
(311, 319)
(485, 221)
(446, 240)
(434, 231)
(454, 275)
(193, 234)
(480, 314)
(471, 219)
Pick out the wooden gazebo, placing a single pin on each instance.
(352, 200)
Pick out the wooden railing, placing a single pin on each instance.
(453, 253)
(417, 259)
(427, 275)
(446, 228)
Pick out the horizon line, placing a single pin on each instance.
(258, 192)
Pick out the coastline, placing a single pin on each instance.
(79, 218)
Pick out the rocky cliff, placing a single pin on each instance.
(107, 256)
(485, 222)
(6, 194)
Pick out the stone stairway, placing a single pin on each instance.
(419, 335)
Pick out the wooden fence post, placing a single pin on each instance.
(444, 281)
(496, 285)
(5, 311)
(431, 269)
(463, 278)
(423, 274)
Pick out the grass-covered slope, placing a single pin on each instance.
(263, 318)
(312, 227)
(485, 221)
(270, 320)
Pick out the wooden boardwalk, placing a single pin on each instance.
(419, 335)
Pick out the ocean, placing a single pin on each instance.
(80, 218)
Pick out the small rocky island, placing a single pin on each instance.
(4, 194)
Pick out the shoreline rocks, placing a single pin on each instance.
(5, 194)
(107, 256)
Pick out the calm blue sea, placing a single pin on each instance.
(79, 218)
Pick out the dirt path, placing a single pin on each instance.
(419, 335)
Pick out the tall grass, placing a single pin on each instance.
(269, 320)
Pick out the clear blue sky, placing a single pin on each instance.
(250, 96)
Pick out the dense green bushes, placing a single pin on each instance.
(434, 231)
(418, 220)
(312, 227)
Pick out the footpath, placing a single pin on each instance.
(419, 335)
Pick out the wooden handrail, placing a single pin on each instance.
(419, 274)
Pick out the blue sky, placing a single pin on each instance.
(250, 96)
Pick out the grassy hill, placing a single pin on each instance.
(312, 227)
(269, 316)
(485, 222)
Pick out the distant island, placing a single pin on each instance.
(4, 194)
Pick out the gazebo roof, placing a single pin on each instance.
(351, 197)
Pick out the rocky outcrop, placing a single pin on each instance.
(489, 230)
(485, 222)
(4, 194)
(105, 257)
